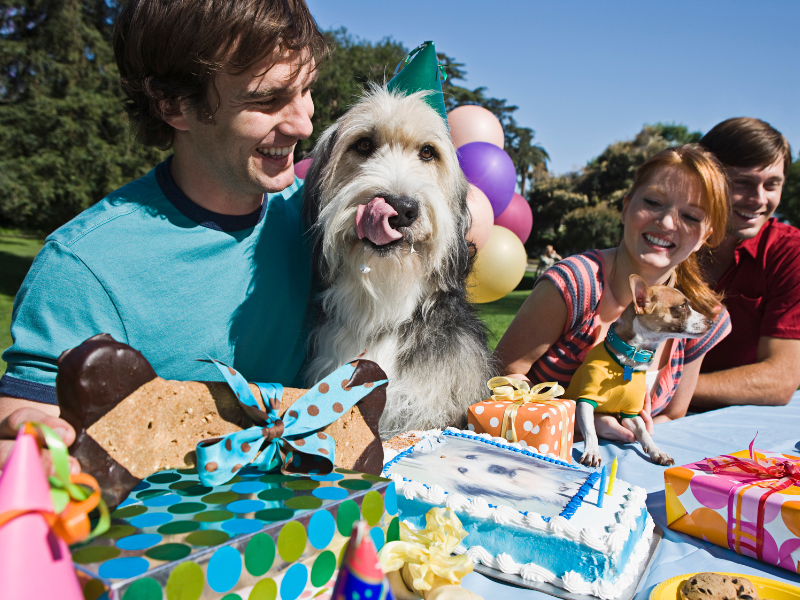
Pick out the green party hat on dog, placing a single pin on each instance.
(420, 71)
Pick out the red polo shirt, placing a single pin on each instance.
(762, 294)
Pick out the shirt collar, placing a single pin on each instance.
(751, 246)
(200, 215)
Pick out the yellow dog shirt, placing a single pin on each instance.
(599, 381)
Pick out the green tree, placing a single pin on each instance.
(519, 145)
(789, 207)
(63, 130)
(580, 211)
(343, 76)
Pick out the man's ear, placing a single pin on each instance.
(641, 295)
(173, 114)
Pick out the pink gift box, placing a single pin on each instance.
(754, 514)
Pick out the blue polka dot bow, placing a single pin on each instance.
(295, 441)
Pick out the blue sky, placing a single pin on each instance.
(587, 73)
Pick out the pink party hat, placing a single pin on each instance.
(362, 557)
(360, 575)
(36, 563)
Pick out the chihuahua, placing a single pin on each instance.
(612, 377)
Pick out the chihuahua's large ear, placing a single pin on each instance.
(641, 295)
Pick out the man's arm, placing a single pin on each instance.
(14, 412)
(770, 381)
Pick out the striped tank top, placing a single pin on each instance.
(581, 281)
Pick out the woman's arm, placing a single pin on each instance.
(536, 327)
(683, 395)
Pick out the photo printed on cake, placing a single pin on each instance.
(499, 476)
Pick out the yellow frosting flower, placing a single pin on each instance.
(427, 552)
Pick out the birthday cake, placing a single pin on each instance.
(526, 514)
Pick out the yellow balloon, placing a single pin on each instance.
(499, 267)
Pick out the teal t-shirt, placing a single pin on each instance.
(171, 279)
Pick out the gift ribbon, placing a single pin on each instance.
(428, 552)
(294, 441)
(72, 523)
(771, 473)
(518, 393)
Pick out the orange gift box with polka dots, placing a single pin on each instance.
(544, 427)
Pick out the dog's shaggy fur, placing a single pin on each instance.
(410, 310)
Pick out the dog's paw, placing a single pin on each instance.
(661, 458)
(591, 458)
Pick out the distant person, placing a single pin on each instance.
(757, 268)
(676, 205)
(549, 257)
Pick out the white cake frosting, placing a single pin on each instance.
(605, 530)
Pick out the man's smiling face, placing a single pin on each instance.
(258, 117)
(754, 195)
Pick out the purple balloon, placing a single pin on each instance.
(490, 169)
(517, 217)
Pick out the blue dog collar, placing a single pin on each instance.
(633, 353)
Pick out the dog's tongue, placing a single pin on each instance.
(372, 222)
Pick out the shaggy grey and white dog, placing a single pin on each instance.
(395, 284)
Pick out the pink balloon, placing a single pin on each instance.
(482, 217)
(301, 168)
(470, 123)
(517, 217)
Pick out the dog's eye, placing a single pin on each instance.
(427, 153)
(364, 146)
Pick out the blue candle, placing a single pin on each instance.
(602, 489)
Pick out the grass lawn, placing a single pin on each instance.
(16, 256)
(498, 314)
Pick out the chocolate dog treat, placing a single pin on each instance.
(130, 423)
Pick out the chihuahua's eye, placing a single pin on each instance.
(427, 153)
(365, 146)
(651, 203)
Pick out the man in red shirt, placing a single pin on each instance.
(757, 267)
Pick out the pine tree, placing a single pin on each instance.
(65, 137)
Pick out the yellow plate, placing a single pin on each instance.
(766, 588)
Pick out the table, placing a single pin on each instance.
(686, 440)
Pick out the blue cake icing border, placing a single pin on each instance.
(569, 510)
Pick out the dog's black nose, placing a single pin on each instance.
(407, 211)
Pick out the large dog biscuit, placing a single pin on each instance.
(131, 423)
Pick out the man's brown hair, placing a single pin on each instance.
(748, 143)
(168, 52)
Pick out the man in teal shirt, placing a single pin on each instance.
(206, 254)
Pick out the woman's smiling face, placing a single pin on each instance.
(665, 219)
